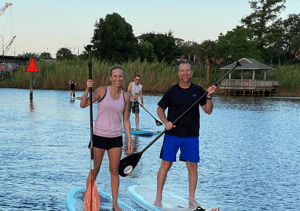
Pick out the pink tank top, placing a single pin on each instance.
(109, 118)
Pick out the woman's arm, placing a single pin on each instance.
(85, 101)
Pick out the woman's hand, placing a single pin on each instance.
(89, 83)
(129, 148)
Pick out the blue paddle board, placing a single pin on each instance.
(140, 132)
(144, 196)
(75, 200)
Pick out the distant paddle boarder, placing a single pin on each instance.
(184, 135)
(113, 107)
(135, 91)
(72, 88)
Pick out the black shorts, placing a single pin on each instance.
(134, 106)
(106, 143)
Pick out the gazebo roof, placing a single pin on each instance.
(249, 64)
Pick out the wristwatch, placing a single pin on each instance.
(208, 98)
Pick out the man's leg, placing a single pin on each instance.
(193, 177)
(137, 120)
(161, 179)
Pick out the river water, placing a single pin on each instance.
(249, 148)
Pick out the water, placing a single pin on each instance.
(250, 152)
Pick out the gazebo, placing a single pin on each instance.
(249, 86)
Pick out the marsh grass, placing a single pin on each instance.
(156, 77)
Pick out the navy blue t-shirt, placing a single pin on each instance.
(178, 100)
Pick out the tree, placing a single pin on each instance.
(189, 49)
(146, 51)
(207, 52)
(29, 55)
(113, 39)
(287, 44)
(64, 53)
(292, 34)
(164, 46)
(239, 43)
(45, 55)
(265, 12)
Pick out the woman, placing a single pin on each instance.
(113, 105)
(72, 88)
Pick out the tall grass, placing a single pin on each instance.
(288, 76)
(156, 77)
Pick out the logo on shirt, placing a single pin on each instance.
(194, 95)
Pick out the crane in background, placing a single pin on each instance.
(8, 45)
(4, 8)
(4, 51)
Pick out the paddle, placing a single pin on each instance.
(158, 123)
(128, 163)
(91, 199)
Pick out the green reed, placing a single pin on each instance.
(156, 77)
(288, 77)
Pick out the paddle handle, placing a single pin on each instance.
(215, 84)
(147, 111)
(89, 47)
(205, 94)
(237, 63)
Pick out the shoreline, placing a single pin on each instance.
(279, 93)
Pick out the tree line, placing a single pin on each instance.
(262, 35)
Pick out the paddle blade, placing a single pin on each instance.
(158, 123)
(128, 163)
(91, 199)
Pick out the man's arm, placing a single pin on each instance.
(141, 97)
(161, 114)
(208, 107)
(129, 90)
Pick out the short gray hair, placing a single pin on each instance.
(185, 63)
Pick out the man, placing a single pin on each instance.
(185, 133)
(135, 91)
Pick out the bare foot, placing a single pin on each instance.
(138, 128)
(193, 203)
(157, 202)
(117, 208)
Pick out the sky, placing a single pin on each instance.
(47, 26)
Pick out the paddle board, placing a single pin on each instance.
(75, 200)
(145, 196)
(140, 132)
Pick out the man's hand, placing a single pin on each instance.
(211, 90)
(169, 126)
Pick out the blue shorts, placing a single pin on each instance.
(189, 148)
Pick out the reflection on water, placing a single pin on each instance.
(249, 149)
(31, 106)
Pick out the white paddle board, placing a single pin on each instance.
(144, 196)
(75, 200)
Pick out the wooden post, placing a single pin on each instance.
(31, 68)
(31, 87)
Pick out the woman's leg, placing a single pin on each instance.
(114, 156)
